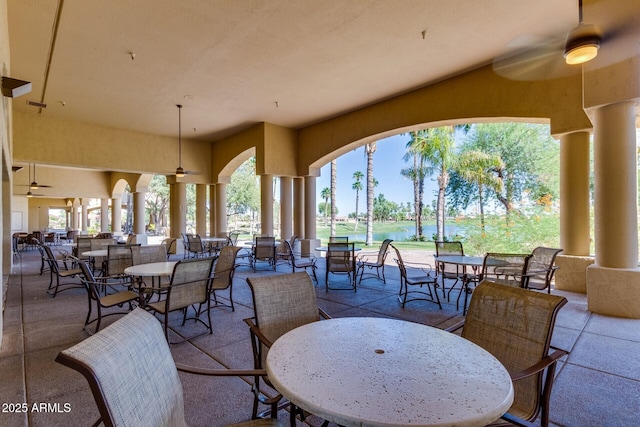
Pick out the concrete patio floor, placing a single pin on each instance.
(598, 384)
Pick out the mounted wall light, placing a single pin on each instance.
(13, 88)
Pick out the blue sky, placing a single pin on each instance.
(387, 163)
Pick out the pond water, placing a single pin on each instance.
(399, 236)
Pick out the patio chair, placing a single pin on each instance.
(233, 238)
(223, 271)
(508, 269)
(264, 249)
(133, 377)
(449, 271)
(541, 268)
(341, 260)
(196, 248)
(61, 270)
(516, 325)
(118, 258)
(118, 299)
(373, 260)
(305, 262)
(170, 246)
(339, 239)
(189, 287)
(281, 303)
(283, 252)
(422, 279)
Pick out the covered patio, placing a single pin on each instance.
(597, 384)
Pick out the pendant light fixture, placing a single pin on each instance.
(582, 42)
(179, 169)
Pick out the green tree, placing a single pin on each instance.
(156, 201)
(326, 195)
(530, 156)
(357, 186)
(369, 150)
(243, 196)
(434, 150)
(481, 170)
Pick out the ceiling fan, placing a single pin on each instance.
(180, 172)
(560, 55)
(34, 185)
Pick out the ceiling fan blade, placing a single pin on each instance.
(540, 61)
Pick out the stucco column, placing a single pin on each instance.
(85, 215)
(201, 209)
(309, 207)
(298, 207)
(213, 229)
(616, 186)
(116, 214)
(138, 212)
(104, 215)
(266, 205)
(221, 209)
(286, 207)
(74, 218)
(574, 194)
(178, 209)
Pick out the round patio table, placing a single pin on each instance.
(366, 371)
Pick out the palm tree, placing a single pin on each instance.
(417, 174)
(325, 194)
(334, 165)
(483, 170)
(357, 186)
(369, 149)
(437, 152)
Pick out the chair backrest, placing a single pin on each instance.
(131, 373)
(49, 257)
(195, 243)
(515, 325)
(97, 244)
(170, 245)
(264, 247)
(340, 257)
(118, 258)
(384, 250)
(189, 283)
(132, 239)
(83, 244)
(224, 267)
(540, 268)
(148, 254)
(504, 268)
(233, 237)
(449, 248)
(72, 234)
(88, 280)
(401, 266)
(282, 303)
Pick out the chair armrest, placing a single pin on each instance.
(540, 366)
(364, 256)
(323, 314)
(255, 331)
(221, 372)
(427, 268)
(455, 327)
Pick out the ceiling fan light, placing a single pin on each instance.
(581, 49)
(179, 172)
(29, 194)
(33, 186)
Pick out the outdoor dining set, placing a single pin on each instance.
(331, 368)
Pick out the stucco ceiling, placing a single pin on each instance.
(233, 63)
